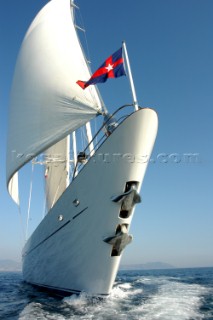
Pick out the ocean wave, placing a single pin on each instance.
(167, 296)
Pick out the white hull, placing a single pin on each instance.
(71, 255)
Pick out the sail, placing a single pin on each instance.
(13, 188)
(57, 171)
(46, 103)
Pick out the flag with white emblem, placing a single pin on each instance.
(113, 67)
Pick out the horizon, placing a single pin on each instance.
(151, 265)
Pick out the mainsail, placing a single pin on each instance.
(46, 103)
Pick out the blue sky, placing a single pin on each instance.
(170, 49)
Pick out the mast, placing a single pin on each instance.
(135, 102)
(67, 159)
(74, 147)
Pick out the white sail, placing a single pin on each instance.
(57, 171)
(46, 103)
(13, 188)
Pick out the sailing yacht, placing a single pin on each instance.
(90, 196)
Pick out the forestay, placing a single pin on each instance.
(46, 103)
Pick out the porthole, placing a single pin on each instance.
(60, 217)
(76, 202)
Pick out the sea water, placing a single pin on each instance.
(174, 294)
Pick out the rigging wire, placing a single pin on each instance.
(29, 202)
(86, 53)
(96, 129)
(81, 22)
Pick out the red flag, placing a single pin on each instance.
(113, 67)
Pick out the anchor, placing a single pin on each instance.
(120, 240)
(128, 198)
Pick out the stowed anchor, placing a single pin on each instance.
(128, 199)
(120, 240)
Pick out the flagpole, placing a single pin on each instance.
(135, 102)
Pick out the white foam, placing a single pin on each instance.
(77, 300)
(173, 301)
(118, 293)
(34, 311)
(110, 307)
(125, 285)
